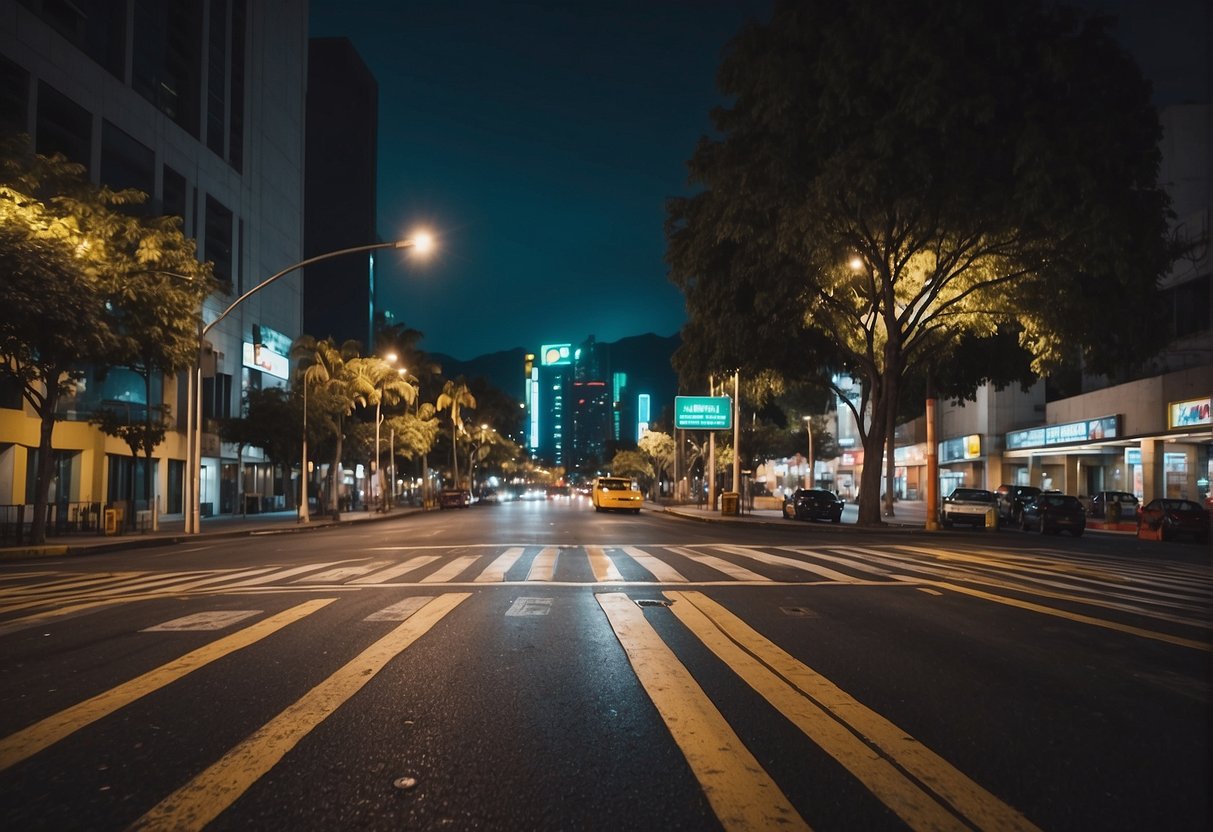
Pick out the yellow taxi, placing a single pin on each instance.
(616, 492)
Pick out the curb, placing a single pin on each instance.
(122, 543)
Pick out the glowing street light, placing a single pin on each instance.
(421, 241)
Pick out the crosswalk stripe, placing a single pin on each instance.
(200, 801)
(849, 562)
(659, 569)
(850, 729)
(393, 572)
(343, 573)
(17, 747)
(739, 573)
(281, 574)
(495, 571)
(740, 791)
(543, 568)
(778, 560)
(602, 566)
(451, 570)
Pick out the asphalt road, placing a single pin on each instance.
(542, 666)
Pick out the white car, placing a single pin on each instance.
(967, 505)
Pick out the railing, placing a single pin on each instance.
(61, 518)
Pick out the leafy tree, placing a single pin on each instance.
(633, 464)
(891, 179)
(658, 448)
(86, 281)
(374, 382)
(273, 422)
(321, 366)
(454, 397)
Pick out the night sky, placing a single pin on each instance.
(539, 141)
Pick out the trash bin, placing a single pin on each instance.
(728, 503)
(992, 518)
(113, 521)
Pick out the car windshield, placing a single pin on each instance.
(615, 485)
(1059, 500)
(972, 495)
(1179, 505)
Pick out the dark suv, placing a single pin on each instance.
(1011, 499)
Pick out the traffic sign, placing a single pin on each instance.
(703, 412)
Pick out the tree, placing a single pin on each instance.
(86, 281)
(374, 382)
(893, 179)
(321, 366)
(658, 447)
(454, 397)
(632, 464)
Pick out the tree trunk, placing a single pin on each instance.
(336, 477)
(454, 457)
(46, 460)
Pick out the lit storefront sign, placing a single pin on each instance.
(1191, 413)
(961, 448)
(266, 360)
(555, 354)
(1091, 430)
(268, 352)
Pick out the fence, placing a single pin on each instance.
(68, 518)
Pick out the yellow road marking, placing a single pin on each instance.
(740, 791)
(603, 567)
(495, 571)
(201, 800)
(17, 747)
(1079, 617)
(543, 568)
(850, 731)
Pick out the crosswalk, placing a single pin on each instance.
(424, 587)
(1172, 594)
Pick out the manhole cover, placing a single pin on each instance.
(653, 602)
(798, 612)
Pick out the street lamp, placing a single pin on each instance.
(422, 242)
(808, 426)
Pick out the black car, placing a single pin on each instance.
(1011, 499)
(1050, 513)
(813, 504)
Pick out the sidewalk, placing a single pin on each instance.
(172, 530)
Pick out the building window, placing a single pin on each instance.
(172, 201)
(1190, 306)
(166, 58)
(96, 27)
(219, 239)
(63, 126)
(216, 81)
(14, 97)
(127, 163)
(235, 116)
(217, 397)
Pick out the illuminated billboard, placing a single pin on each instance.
(554, 354)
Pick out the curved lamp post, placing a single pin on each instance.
(193, 518)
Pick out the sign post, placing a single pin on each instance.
(703, 412)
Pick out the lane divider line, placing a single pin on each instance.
(29, 741)
(873, 749)
(204, 798)
(738, 788)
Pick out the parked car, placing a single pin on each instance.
(454, 498)
(966, 505)
(1126, 504)
(1011, 498)
(813, 504)
(1050, 513)
(1176, 518)
(616, 492)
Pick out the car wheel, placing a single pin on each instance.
(837, 518)
(1023, 524)
(597, 508)
(789, 512)
(635, 511)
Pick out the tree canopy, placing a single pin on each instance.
(897, 185)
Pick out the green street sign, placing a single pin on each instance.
(703, 412)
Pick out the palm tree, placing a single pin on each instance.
(456, 396)
(322, 368)
(374, 381)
